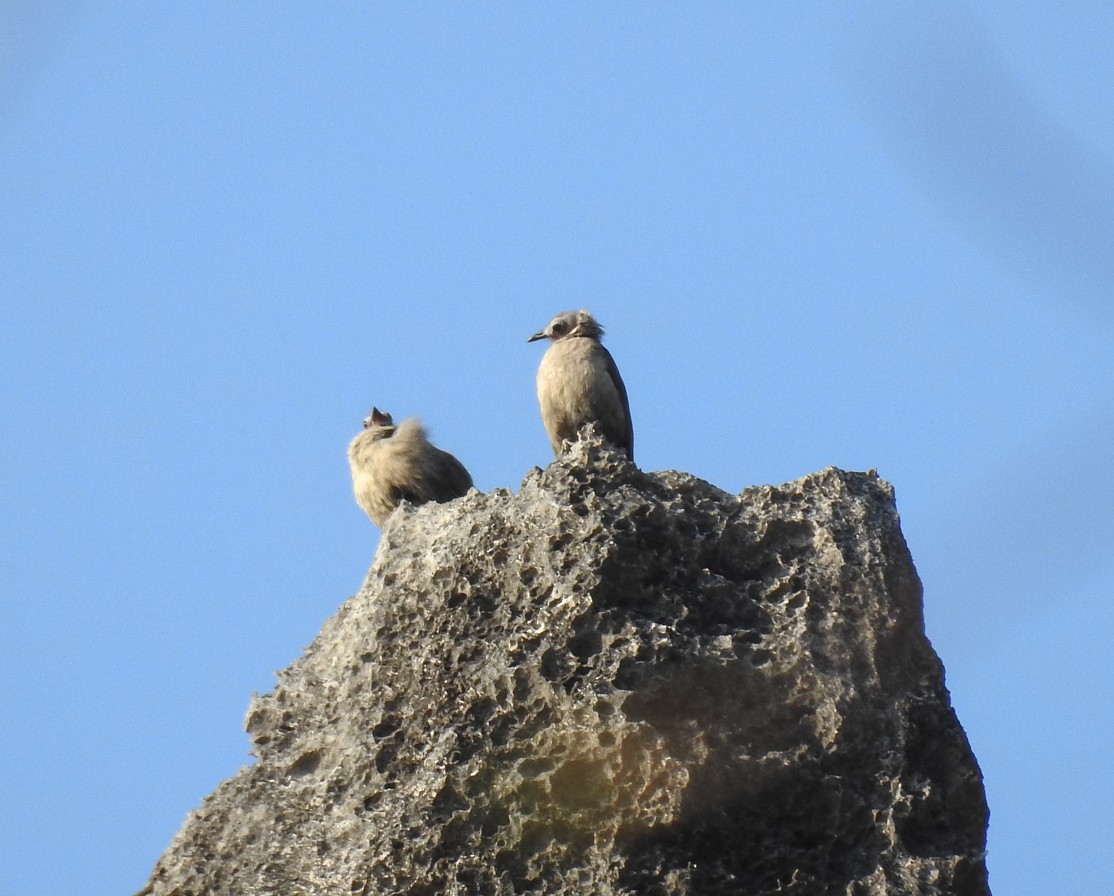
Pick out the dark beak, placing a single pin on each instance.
(538, 335)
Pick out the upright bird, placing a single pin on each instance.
(391, 464)
(578, 383)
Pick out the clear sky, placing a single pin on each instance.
(868, 235)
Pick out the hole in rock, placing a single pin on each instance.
(306, 764)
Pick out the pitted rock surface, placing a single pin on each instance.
(612, 682)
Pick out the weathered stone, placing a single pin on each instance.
(613, 682)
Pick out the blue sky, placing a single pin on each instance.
(868, 235)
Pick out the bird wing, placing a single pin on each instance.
(613, 372)
(451, 479)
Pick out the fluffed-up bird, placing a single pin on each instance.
(391, 464)
(578, 383)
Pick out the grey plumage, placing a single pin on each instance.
(391, 464)
(578, 383)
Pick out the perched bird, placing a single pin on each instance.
(578, 382)
(391, 464)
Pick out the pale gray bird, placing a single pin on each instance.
(578, 382)
(391, 464)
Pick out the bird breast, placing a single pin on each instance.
(574, 385)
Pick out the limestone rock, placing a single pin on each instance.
(612, 682)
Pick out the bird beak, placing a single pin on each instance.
(538, 335)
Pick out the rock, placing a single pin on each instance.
(613, 682)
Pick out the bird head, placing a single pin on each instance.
(380, 420)
(568, 324)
